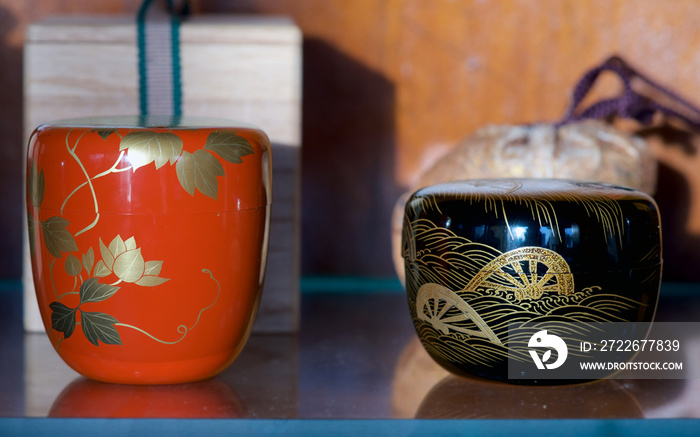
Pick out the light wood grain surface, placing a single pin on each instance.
(389, 85)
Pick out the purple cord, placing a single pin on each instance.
(629, 104)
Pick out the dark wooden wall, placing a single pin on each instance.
(389, 84)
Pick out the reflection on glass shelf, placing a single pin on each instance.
(422, 389)
(213, 398)
(466, 398)
(261, 383)
(356, 357)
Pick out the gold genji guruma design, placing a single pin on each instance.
(481, 255)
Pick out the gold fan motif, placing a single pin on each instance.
(527, 272)
(433, 303)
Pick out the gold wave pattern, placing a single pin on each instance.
(457, 264)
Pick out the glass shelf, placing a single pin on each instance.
(356, 357)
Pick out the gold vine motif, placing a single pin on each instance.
(182, 329)
(122, 258)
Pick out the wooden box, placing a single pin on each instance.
(243, 68)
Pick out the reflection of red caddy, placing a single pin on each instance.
(205, 399)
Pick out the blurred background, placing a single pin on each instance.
(390, 85)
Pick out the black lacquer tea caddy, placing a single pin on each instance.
(482, 254)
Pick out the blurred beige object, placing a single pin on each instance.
(589, 150)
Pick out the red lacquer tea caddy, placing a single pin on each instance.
(148, 240)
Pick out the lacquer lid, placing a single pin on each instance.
(575, 226)
(149, 165)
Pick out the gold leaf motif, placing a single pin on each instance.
(93, 291)
(62, 318)
(72, 265)
(117, 246)
(37, 184)
(146, 146)
(101, 269)
(228, 145)
(104, 132)
(199, 170)
(107, 257)
(185, 172)
(130, 243)
(100, 327)
(56, 237)
(31, 224)
(89, 260)
(150, 281)
(129, 266)
(153, 268)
